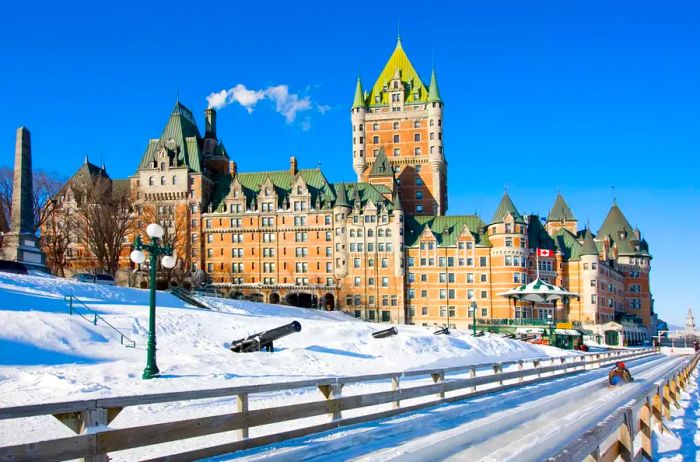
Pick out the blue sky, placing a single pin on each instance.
(540, 96)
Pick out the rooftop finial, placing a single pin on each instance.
(398, 29)
(614, 197)
(86, 160)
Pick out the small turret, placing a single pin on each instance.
(433, 90)
(358, 111)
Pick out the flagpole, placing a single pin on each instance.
(537, 263)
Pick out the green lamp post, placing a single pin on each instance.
(473, 307)
(155, 232)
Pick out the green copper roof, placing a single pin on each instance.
(398, 61)
(433, 91)
(567, 243)
(397, 202)
(537, 236)
(359, 96)
(180, 137)
(341, 195)
(614, 223)
(505, 207)
(589, 247)
(446, 229)
(560, 210)
(282, 180)
(381, 165)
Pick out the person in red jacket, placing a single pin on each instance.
(619, 374)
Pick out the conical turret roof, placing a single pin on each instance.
(560, 210)
(359, 96)
(589, 247)
(341, 197)
(505, 207)
(614, 223)
(398, 62)
(433, 91)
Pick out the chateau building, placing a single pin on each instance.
(380, 248)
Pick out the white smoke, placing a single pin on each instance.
(285, 103)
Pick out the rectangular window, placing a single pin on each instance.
(482, 261)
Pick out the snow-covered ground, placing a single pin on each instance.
(683, 443)
(47, 355)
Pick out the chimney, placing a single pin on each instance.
(232, 169)
(209, 123)
(293, 165)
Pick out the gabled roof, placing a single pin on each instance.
(398, 61)
(180, 134)
(282, 181)
(614, 223)
(505, 207)
(589, 247)
(362, 193)
(446, 229)
(560, 210)
(568, 244)
(433, 91)
(381, 165)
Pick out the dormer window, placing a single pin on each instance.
(299, 191)
(267, 192)
(396, 84)
(377, 100)
(162, 166)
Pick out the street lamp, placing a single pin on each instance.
(550, 322)
(155, 232)
(473, 307)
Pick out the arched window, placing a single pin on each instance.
(267, 192)
(174, 179)
(162, 181)
(380, 233)
(375, 126)
(150, 181)
(352, 233)
(396, 125)
(162, 166)
(416, 124)
(388, 232)
(359, 232)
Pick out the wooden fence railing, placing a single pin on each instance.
(615, 436)
(89, 418)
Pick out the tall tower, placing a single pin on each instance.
(404, 117)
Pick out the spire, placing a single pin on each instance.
(615, 223)
(589, 247)
(341, 198)
(359, 96)
(433, 91)
(397, 202)
(560, 210)
(505, 207)
(85, 159)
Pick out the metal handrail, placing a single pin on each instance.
(123, 339)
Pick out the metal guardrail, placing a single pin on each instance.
(94, 317)
(91, 417)
(188, 298)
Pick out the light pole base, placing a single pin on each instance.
(150, 373)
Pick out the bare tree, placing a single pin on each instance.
(56, 239)
(174, 219)
(103, 217)
(45, 186)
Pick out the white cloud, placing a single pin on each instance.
(306, 124)
(287, 104)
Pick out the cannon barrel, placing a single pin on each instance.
(385, 333)
(263, 340)
(443, 331)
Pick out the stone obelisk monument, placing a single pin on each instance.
(20, 243)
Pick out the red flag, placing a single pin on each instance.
(545, 253)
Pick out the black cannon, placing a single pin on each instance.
(263, 340)
(444, 331)
(385, 333)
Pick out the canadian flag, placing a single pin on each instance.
(545, 253)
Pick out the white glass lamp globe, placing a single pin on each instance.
(155, 230)
(137, 257)
(169, 261)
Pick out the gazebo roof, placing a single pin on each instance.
(538, 291)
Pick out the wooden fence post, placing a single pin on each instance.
(657, 399)
(536, 364)
(331, 392)
(666, 401)
(242, 406)
(625, 437)
(439, 377)
(645, 430)
(498, 370)
(520, 369)
(396, 386)
(472, 374)
(87, 422)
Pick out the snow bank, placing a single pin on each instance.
(47, 355)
